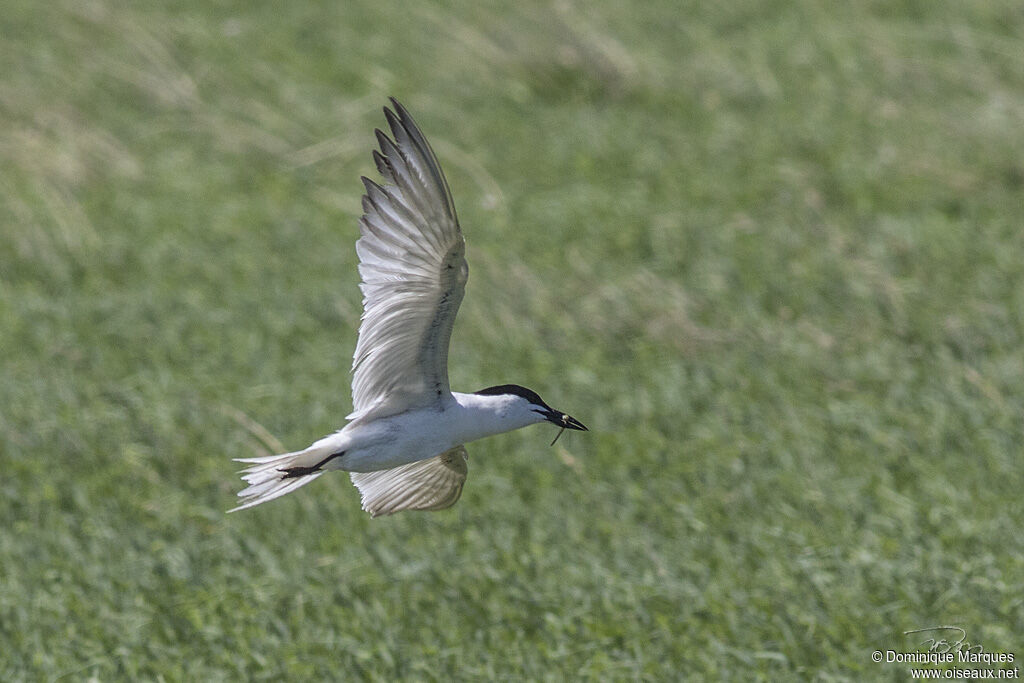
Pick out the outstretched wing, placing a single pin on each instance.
(413, 268)
(431, 484)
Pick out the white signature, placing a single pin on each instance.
(940, 644)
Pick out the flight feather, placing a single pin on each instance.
(413, 269)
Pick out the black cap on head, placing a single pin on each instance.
(515, 390)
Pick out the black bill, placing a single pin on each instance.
(565, 422)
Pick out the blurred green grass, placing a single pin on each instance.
(770, 252)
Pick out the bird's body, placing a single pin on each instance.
(404, 440)
(400, 439)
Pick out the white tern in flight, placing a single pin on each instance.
(403, 443)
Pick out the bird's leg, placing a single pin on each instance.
(301, 470)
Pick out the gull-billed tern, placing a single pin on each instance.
(403, 443)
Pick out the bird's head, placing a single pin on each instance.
(533, 408)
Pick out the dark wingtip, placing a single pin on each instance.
(383, 166)
(374, 193)
(404, 118)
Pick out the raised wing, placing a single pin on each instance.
(431, 484)
(413, 268)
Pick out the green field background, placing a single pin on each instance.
(771, 253)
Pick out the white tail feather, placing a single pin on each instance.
(267, 481)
